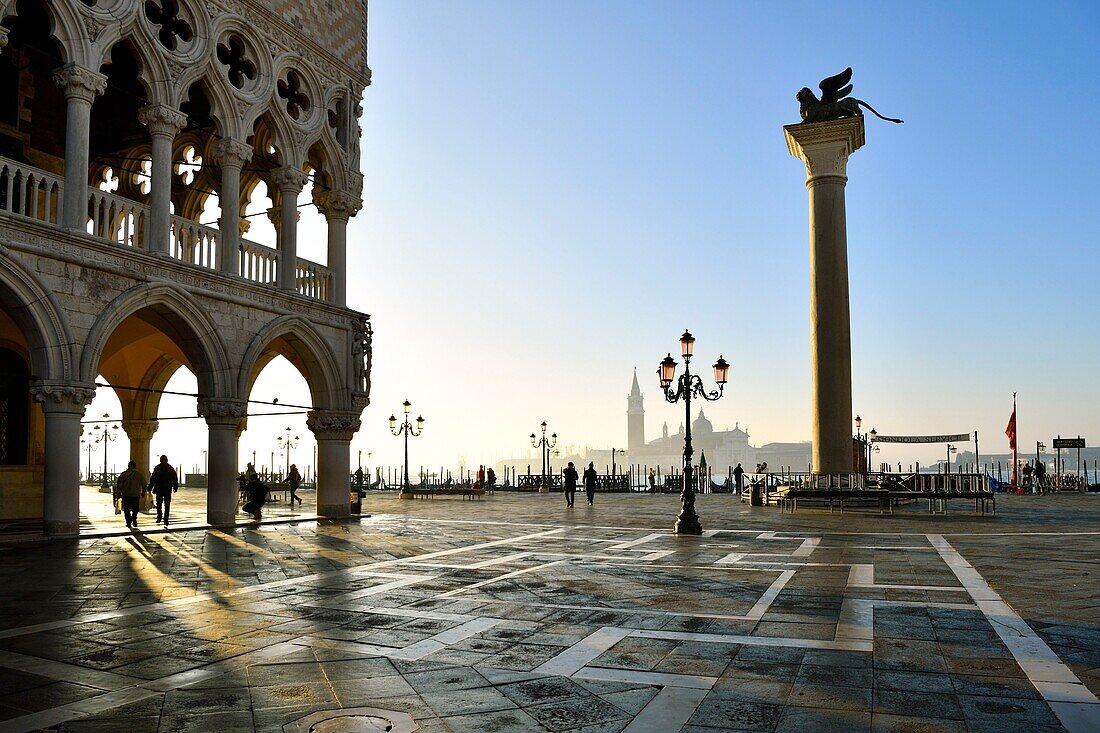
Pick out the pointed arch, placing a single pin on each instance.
(179, 316)
(32, 306)
(308, 351)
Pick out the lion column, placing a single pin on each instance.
(824, 147)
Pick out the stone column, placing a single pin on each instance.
(140, 433)
(338, 207)
(231, 156)
(824, 147)
(223, 419)
(163, 124)
(63, 405)
(333, 431)
(289, 181)
(80, 86)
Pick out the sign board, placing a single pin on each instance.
(957, 438)
(1069, 443)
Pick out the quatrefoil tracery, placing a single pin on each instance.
(239, 68)
(290, 89)
(173, 28)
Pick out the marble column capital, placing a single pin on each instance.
(76, 82)
(140, 429)
(824, 147)
(162, 120)
(289, 179)
(337, 205)
(333, 424)
(225, 413)
(232, 153)
(63, 398)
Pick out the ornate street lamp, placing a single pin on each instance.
(545, 445)
(108, 435)
(406, 429)
(687, 386)
(285, 444)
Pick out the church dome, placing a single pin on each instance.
(702, 425)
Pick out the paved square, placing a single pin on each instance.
(515, 614)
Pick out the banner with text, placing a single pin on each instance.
(957, 438)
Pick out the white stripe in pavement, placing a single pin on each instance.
(584, 651)
(670, 709)
(1077, 708)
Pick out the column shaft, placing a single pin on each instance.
(231, 155)
(163, 123)
(830, 323)
(80, 86)
(333, 477)
(63, 405)
(290, 181)
(338, 258)
(221, 487)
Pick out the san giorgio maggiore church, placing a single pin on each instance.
(723, 449)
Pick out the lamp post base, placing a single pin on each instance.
(405, 495)
(687, 524)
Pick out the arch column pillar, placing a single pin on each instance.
(231, 156)
(140, 433)
(63, 405)
(80, 86)
(163, 124)
(333, 431)
(289, 181)
(338, 207)
(223, 421)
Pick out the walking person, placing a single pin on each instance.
(129, 488)
(738, 477)
(1027, 478)
(293, 481)
(1040, 477)
(652, 480)
(590, 483)
(163, 484)
(570, 476)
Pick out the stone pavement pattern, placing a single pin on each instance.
(514, 614)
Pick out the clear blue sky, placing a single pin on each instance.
(555, 190)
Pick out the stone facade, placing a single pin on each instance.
(183, 100)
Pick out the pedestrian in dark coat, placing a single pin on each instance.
(293, 481)
(738, 476)
(570, 476)
(129, 488)
(164, 483)
(590, 483)
(257, 497)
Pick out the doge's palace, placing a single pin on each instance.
(121, 121)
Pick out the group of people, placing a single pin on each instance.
(1035, 477)
(570, 476)
(485, 477)
(131, 489)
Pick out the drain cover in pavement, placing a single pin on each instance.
(353, 720)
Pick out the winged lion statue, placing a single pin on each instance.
(835, 104)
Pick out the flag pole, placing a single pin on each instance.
(1015, 444)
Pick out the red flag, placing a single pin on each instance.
(1010, 431)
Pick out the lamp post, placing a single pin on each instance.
(614, 451)
(687, 386)
(859, 441)
(105, 437)
(406, 429)
(284, 444)
(545, 445)
(950, 449)
(871, 447)
(89, 446)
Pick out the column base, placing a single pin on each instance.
(405, 495)
(221, 519)
(337, 511)
(62, 530)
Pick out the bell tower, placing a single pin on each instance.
(635, 417)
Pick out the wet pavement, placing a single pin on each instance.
(516, 614)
